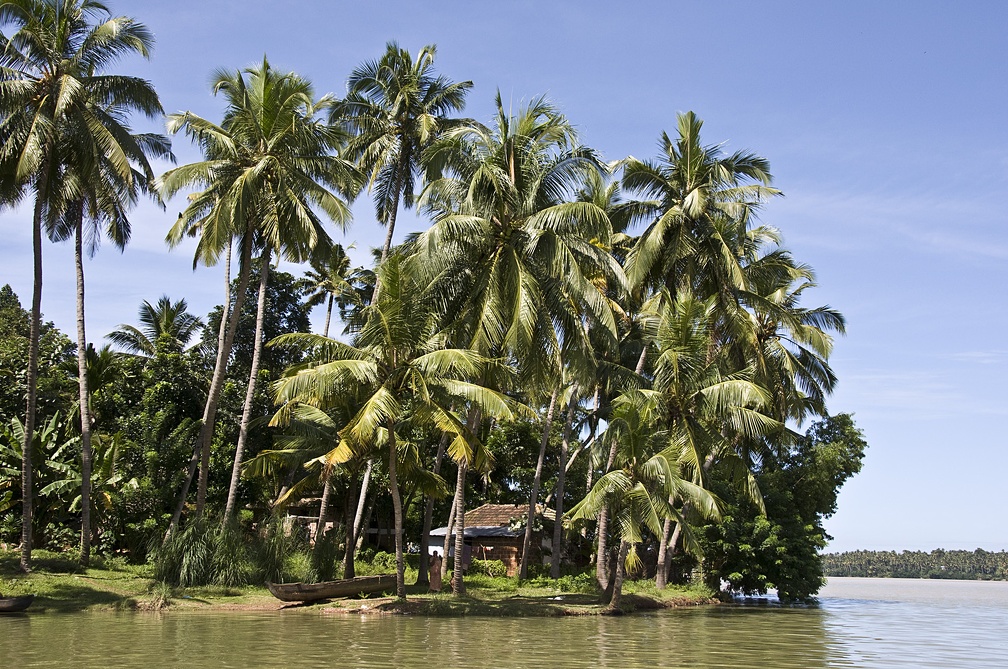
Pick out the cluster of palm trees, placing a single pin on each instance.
(644, 293)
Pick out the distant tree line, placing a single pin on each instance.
(939, 563)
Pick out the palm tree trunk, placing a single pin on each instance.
(458, 584)
(423, 577)
(617, 593)
(217, 382)
(448, 534)
(602, 554)
(323, 508)
(387, 246)
(558, 523)
(536, 481)
(253, 378)
(27, 493)
(180, 505)
(661, 569)
(359, 516)
(328, 316)
(348, 517)
(85, 411)
(194, 463)
(397, 511)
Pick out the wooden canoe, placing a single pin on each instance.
(15, 604)
(351, 587)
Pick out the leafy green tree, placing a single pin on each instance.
(755, 551)
(54, 387)
(331, 280)
(512, 251)
(395, 108)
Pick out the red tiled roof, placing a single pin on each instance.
(494, 515)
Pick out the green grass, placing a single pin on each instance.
(111, 584)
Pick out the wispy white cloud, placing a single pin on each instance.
(994, 357)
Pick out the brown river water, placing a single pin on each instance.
(857, 623)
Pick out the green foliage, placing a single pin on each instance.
(56, 388)
(492, 568)
(754, 552)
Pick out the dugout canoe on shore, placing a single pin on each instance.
(16, 604)
(350, 587)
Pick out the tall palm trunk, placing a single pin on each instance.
(423, 576)
(361, 503)
(558, 523)
(323, 508)
(85, 410)
(400, 168)
(617, 593)
(27, 493)
(195, 461)
(348, 518)
(661, 568)
(397, 512)
(253, 378)
(536, 482)
(458, 584)
(602, 554)
(448, 533)
(217, 382)
(328, 316)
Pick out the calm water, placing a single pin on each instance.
(858, 623)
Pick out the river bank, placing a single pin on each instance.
(61, 586)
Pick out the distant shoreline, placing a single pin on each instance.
(976, 565)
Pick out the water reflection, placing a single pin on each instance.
(863, 631)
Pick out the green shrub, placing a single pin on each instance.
(383, 561)
(583, 583)
(492, 568)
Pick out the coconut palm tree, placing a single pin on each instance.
(331, 280)
(395, 108)
(645, 475)
(408, 377)
(512, 251)
(65, 139)
(270, 169)
(698, 199)
(166, 318)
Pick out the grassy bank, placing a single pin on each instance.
(60, 585)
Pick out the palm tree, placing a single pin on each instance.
(400, 364)
(396, 107)
(512, 250)
(166, 318)
(269, 166)
(65, 139)
(333, 281)
(646, 474)
(698, 199)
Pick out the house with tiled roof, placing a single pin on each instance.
(492, 532)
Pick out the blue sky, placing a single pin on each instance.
(884, 124)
